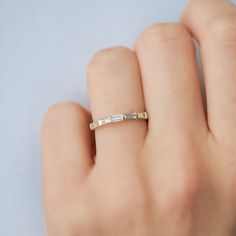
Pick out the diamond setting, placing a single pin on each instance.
(130, 116)
(118, 118)
(103, 122)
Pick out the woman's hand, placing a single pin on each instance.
(176, 174)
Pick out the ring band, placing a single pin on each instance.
(118, 118)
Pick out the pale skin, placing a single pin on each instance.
(176, 173)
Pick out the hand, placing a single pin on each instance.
(176, 174)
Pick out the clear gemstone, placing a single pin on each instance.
(103, 121)
(117, 118)
(130, 116)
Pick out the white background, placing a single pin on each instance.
(45, 47)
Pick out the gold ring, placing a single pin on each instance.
(118, 118)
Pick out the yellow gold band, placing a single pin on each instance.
(118, 118)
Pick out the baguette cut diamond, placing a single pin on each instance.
(117, 118)
(103, 121)
(130, 116)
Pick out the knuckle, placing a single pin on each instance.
(56, 213)
(163, 34)
(183, 186)
(71, 215)
(224, 29)
(125, 202)
(135, 203)
(58, 113)
(182, 196)
(192, 11)
(59, 108)
(108, 58)
(130, 202)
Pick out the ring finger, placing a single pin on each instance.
(115, 88)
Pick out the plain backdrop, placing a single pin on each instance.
(45, 47)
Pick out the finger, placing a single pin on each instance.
(115, 88)
(170, 81)
(67, 151)
(216, 31)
